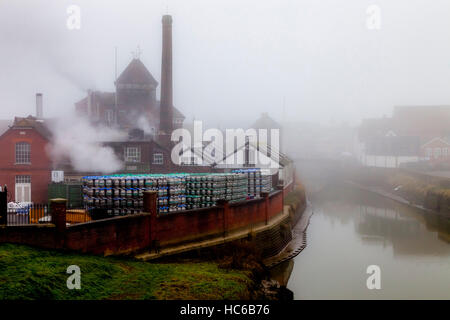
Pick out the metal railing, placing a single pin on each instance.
(24, 214)
(40, 214)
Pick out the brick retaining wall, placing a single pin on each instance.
(122, 235)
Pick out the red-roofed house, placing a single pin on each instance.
(24, 164)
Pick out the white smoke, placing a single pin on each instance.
(145, 126)
(77, 141)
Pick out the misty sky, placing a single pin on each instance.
(233, 59)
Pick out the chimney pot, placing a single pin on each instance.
(39, 106)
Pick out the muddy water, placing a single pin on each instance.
(352, 229)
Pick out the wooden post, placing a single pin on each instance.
(58, 214)
(265, 196)
(150, 206)
(225, 205)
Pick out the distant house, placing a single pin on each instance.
(25, 166)
(267, 123)
(436, 149)
(403, 138)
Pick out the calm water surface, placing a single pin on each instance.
(351, 230)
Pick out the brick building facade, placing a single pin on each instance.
(25, 166)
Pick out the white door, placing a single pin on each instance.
(23, 192)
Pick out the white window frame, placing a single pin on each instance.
(23, 188)
(445, 152)
(158, 158)
(132, 154)
(109, 116)
(22, 156)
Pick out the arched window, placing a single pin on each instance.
(23, 153)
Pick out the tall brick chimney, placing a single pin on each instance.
(166, 108)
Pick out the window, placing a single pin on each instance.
(23, 151)
(437, 152)
(110, 116)
(429, 152)
(445, 152)
(23, 179)
(23, 189)
(158, 158)
(132, 154)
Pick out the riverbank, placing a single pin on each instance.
(233, 271)
(30, 273)
(412, 188)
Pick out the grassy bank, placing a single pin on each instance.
(30, 273)
(420, 192)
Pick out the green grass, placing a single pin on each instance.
(30, 273)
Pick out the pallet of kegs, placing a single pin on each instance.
(254, 181)
(123, 194)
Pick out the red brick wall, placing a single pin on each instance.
(115, 235)
(276, 204)
(246, 214)
(39, 169)
(181, 227)
(132, 233)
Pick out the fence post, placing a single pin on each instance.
(58, 214)
(225, 205)
(150, 206)
(265, 196)
(3, 208)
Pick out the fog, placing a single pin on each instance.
(302, 60)
(75, 138)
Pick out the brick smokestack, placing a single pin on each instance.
(39, 106)
(166, 109)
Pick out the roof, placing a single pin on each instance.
(265, 149)
(108, 99)
(265, 122)
(176, 113)
(419, 121)
(444, 140)
(136, 73)
(422, 120)
(32, 122)
(100, 97)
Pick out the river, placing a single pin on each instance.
(352, 229)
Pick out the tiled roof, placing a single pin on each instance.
(265, 122)
(30, 121)
(136, 73)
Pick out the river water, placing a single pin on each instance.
(352, 229)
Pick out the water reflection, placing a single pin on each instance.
(410, 230)
(351, 229)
